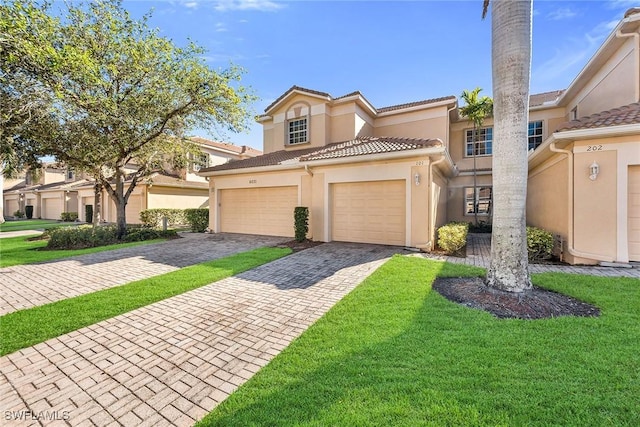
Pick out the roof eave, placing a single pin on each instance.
(444, 102)
(293, 92)
(440, 150)
(599, 132)
(611, 42)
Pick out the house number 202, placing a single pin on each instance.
(594, 147)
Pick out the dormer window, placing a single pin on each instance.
(297, 131)
(70, 175)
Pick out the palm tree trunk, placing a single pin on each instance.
(511, 55)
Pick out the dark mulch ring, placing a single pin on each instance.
(299, 246)
(536, 303)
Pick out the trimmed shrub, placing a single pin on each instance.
(481, 227)
(28, 211)
(539, 244)
(88, 213)
(139, 234)
(452, 237)
(69, 216)
(198, 219)
(84, 236)
(87, 236)
(301, 222)
(18, 214)
(153, 217)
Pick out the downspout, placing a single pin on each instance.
(636, 49)
(447, 142)
(307, 170)
(430, 245)
(570, 248)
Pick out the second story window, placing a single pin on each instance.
(297, 131)
(199, 161)
(482, 145)
(70, 175)
(535, 135)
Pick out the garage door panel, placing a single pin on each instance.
(51, 208)
(264, 210)
(369, 212)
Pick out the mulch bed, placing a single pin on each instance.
(536, 303)
(299, 246)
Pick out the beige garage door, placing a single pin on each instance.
(132, 211)
(369, 212)
(265, 211)
(11, 207)
(633, 203)
(51, 208)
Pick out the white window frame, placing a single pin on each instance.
(477, 200)
(483, 142)
(298, 135)
(199, 161)
(534, 134)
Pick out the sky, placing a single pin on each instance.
(393, 52)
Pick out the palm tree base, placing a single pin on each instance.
(535, 303)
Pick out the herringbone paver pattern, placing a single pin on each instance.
(171, 362)
(24, 286)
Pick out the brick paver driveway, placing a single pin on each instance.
(171, 362)
(24, 286)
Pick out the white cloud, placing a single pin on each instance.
(259, 5)
(622, 4)
(222, 58)
(561, 13)
(572, 54)
(191, 4)
(221, 27)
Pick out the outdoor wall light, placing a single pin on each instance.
(416, 178)
(594, 170)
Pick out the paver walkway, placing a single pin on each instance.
(19, 233)
(171, 362)
(479, 255)
(24, 286)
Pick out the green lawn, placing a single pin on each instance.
(32, 224)
(19, 250)
(28, 327)
(396, 353)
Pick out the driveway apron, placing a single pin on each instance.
(25, 286)
(171, 362)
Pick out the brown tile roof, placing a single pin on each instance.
(538, 99)
(369, 145)
(291, 89)
(357, 92)
(239, 149)
(356, 147)
(413, 104)
(626, 115)
(270, 159)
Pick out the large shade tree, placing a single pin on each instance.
(123, 96)
(511, 23)
(476, 109)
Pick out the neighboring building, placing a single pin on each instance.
(393, 175)
(58, 189)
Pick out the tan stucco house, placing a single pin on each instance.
(58, 189)
(393, 175)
